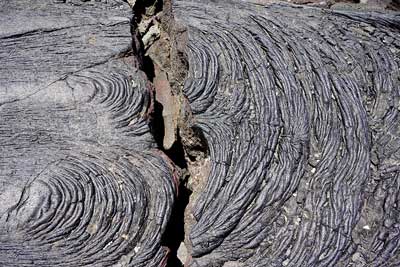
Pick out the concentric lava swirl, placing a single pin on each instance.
(94, 208)
(81, 180)
(95, 199)
(300, 109)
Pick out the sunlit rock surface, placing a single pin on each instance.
(300, 109)
(81, 182)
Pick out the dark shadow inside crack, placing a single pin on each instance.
(148, 68)
(177, 154)
(174, 235)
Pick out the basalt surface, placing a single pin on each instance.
(81, 180)
(299, 108)
(282, 121)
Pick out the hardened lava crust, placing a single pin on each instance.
(81, 180)
(285, 116)
(300, 110)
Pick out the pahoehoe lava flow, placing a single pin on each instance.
(300, 110)
(286, 118)
(82, 182)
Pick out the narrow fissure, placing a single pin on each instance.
(166, 69)
(174, 234)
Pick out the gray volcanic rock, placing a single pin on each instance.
(289, 117)
(81, 180)
(382, 5)
(300, 110)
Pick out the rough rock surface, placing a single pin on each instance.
(289, 116)
(300, 110)
(81, 180)
(342, 4)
